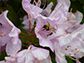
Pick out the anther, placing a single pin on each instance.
(71, 11)
(39, 60)
(1, 32)
(56, 24)
(75, 48)
(30, 47)
(68, 18)
(1, 36)
(68, 46)
(74, 53)
(44, 37)
(4, 34)
(71, 50)
(69, 53)
(78, 50)
(65, 48)
(83, 40)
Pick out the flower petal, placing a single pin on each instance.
(12, 48)
(79, 16)
(40, 53)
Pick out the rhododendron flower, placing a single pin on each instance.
(70, 45)
(35, 11)
(52, 22)
(30, 55)
(9, 35)
(34, 55)
(46, 30)
(31, 9)
(74, 21)
(60, 20)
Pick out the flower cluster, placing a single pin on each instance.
(60, 30)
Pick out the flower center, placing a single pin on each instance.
(49, 28)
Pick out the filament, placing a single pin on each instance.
(24, 37)
(24, 34)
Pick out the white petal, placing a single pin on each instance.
(79, 16)
(40, 53)
(12, 48)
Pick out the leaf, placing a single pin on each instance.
(15, 4)
(3, 54)
(81, 1)
(54, 2)
(73, 0)
(69, 60)
(52, 54)
(12, 15)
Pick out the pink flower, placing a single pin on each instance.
(35, 11)
(30, 55)
(70, 45)
(34, 55)
(32, 10)
(55, 21)
(9, 35)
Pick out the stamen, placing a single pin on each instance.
(75, 48)
(1, 35)
(44, 37)
(30, 47)
(29, 26)
(56, 24)
(71, 10)
(71, 50)
(5, 34)
(24, 34)
(69, 53)
(34, 2)
(68, 18)
(65, 48)
(83, 40)
(74, 53)
(72, 58)
(68, 46)
(1, 32)
(78, 50)
(24, 37)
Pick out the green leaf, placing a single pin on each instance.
(54, 2)
(12, 15)
(81, 1)
(69, 60)
(73, 0)
(15, 4)
(75, 5)
(52, 54)
(3, 54)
